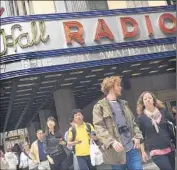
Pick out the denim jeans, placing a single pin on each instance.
(133, 161)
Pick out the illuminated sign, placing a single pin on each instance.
(61, 34)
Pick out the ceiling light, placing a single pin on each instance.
(29, 78)
(86, 81)
(144, 68)
(51, 81)
(24, 85)
(135, 65)
(97, 70)
(67, 84)
(126, 71)
(113, 68)
(153, 71)
(90, 76)
(53, 75)
(79, 87)
(136, 74)
(77, 72)
(108, 74)
(170, 69)
(174, 59)
(155, 62)
(71, 78)
(162, 66)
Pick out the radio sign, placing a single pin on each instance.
(59, 34)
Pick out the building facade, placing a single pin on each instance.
(54, 55)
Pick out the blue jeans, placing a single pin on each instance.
(133, 161)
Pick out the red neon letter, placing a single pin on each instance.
(149, 25)
(103, 31)
(132, 21)
(2, 9)
(164, 17)
(77, 36)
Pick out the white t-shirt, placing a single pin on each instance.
(25, 161)
(12, 160)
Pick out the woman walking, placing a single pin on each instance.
(152, 121)
(26, 163)
(52, 145)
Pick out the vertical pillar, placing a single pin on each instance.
(43, 115)
(32, 128)
(64, 103)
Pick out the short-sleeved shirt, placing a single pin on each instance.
(82, 149)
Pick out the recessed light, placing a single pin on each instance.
(29, 78)
(113, 68)
(162, 66)
(145, 68)
(51, 81)
(155, 62)
(67, 84)
(170, 69)
(23, 85)
(86, 81)
(97, 70)
(136, 74)
(153, 71)
(71, 78)
(79, 87)
(126, 71)
(90, 76)
(108, 74)
(53, 75)
(77, 72)
(135, 65)
(171, 60)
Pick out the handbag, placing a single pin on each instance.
(96, 155)
(172, 132)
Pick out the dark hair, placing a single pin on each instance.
(75, 111)
(56, 128)
(17, 149)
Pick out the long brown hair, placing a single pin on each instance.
(140, 105)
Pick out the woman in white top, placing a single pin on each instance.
(12, 159)
(26, 162)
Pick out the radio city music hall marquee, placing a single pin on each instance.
(42, 35)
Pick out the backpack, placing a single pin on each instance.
(73, 130)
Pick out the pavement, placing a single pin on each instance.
(147, 166)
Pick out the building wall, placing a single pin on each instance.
(43, 7)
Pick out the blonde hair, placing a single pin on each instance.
(140, 105)
(108, 83)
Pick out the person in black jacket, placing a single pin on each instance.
(53, 145)
(152, 121)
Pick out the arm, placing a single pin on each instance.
(70, 139)
(100, 127)
(169, 117)
(32, 153)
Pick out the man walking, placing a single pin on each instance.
(37, 152)
(116, 129)
(79, 135)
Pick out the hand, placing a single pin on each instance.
(136, 143)
(118, 147)
(145, 157)
(78, 142)
(50, 160)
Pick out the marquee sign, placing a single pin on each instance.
(40, 35)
